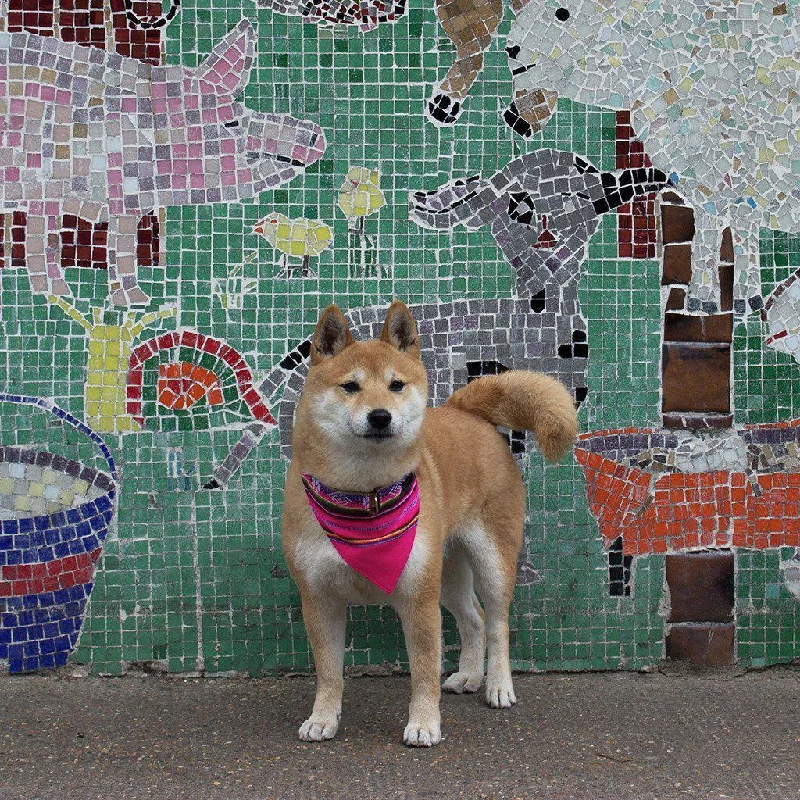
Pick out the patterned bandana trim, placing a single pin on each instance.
(374, 532)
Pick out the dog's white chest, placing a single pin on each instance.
(327, 572)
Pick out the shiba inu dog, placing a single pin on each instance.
(388, 501)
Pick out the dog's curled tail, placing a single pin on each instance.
(519, 399)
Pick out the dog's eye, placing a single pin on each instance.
(351, 387)
(562, 14)
(396, 386)
(234, 123)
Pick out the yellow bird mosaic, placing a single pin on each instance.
(360, 196)
(295, 237)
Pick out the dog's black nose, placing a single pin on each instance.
(513, 52)
(379, 418)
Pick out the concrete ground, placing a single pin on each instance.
(580, 736)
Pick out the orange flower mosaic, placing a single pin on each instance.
(182, 385)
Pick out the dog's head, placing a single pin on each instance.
(363, 402)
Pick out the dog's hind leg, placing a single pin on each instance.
(494, 546)
(458, 597)
(325, 622)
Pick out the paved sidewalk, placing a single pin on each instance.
(582, 736)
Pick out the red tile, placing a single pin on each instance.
(636, 221)
(148, 245)
(83, 244)
(144, 45)
(82, 21)
(34, 16)
(19, 220)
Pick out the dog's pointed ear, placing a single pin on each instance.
(400, 330)
(331, 335)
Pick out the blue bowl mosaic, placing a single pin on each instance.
(55, 514)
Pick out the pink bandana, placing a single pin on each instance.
(372, 532)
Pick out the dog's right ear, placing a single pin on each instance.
(331, 335)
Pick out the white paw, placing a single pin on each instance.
(500, 695)
(421, 735)
(463, 682)
(318, 729)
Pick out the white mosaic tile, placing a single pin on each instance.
(712, 89)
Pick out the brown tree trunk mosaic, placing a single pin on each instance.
(696, 394)
(696, 353)
(701, 618)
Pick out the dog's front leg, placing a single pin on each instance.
(422, 626)
(325, 620)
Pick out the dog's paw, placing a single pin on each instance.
(500, 694)
(318, 729)
(463, 683)
(422, 735)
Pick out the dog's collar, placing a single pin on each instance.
(359, 504)
(373, 532)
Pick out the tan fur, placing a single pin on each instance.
(524, 401)
(471, 515)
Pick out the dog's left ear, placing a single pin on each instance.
(400, 330)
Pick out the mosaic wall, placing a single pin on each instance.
(606, 191)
